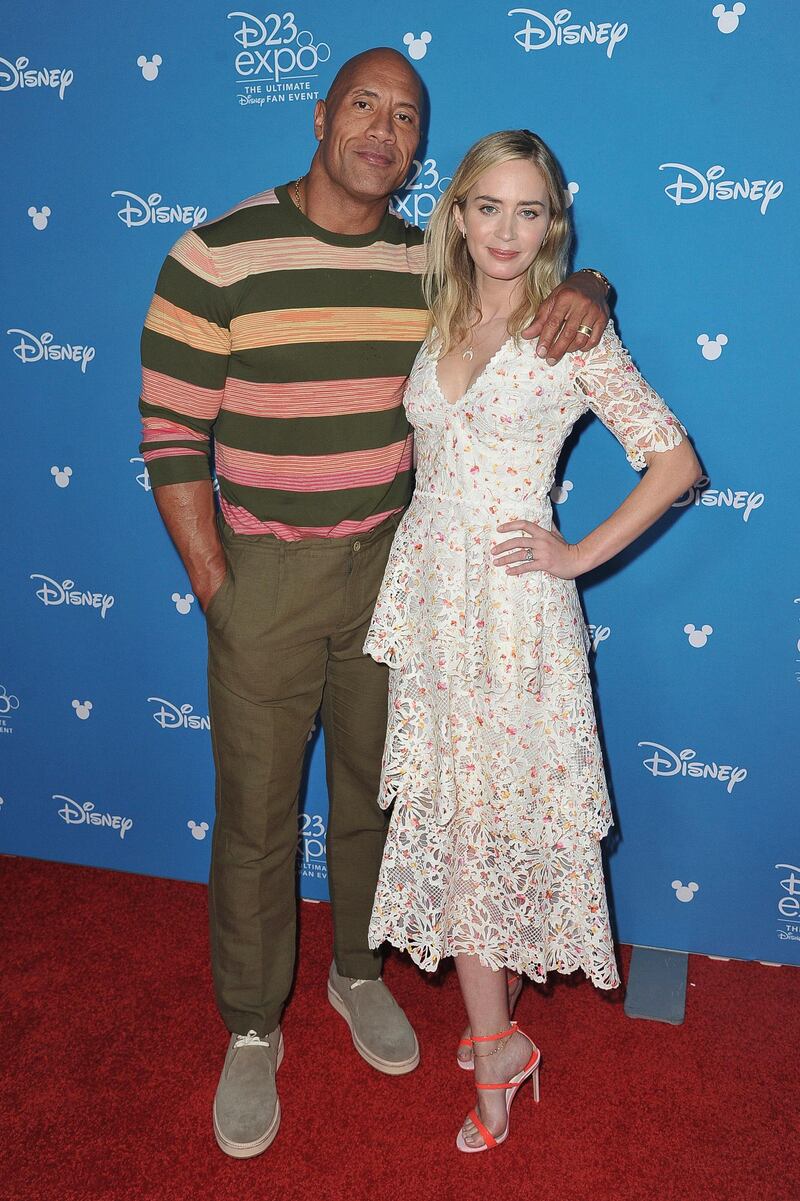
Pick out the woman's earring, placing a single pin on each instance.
(463, 233)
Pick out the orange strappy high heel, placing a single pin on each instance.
(512, 1087)
(514, 990)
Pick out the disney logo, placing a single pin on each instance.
(143, 478)
(137, 211)
(694, 186)
(539, 31)
(54, 593)
(8, 701)
(31, 349)
(664, 762)
(720, 498)
(597, 634)
(14, 75)
(75, 814)
(287, 49)
(177, 717)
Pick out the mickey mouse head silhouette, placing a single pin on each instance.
(418, 46)
(82, 709)
(685, 892)
(560, 492)
(149, 66)
(570, 192)
(39, 217)
(198, 831)
(183, 603)
(728, 21)
(698, 637)
(61, 475)
(712, 347)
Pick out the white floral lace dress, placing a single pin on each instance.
(492, 758)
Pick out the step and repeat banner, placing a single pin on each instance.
(123, 125)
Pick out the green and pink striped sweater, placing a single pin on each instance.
(287, 348)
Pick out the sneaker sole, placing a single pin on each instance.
(387, 1066)
(259, 1145)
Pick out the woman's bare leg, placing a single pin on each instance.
(514, 985)
(485, 994)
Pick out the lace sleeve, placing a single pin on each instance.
(625, 402)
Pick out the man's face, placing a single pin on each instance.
(370, 130)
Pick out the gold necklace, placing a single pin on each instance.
(297, 200)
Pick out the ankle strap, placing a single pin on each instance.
(491, 1038)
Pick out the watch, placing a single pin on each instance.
(598, 275)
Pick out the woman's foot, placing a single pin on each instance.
(512, 1056)
(464, 1053)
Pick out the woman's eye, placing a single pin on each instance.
(529, 213)
(487, 208)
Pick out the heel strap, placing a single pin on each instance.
(531, 1066)
(492, 1038)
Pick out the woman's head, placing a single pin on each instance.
(503, 216)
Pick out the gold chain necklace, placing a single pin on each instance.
(297, 200)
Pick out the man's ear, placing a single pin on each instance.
(320, 113)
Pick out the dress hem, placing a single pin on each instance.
(430, 960)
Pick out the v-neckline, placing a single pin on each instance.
(451, 404)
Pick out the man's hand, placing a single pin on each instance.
(579, 301)
(188, 513)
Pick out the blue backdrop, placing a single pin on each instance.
(122, 125)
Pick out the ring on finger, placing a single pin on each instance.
(586, 330)
(529, 555)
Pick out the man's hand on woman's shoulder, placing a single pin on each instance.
(572, 317)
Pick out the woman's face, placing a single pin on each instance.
(505, 218)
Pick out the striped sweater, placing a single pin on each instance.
(288, 347)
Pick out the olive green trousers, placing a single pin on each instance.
(285, 635)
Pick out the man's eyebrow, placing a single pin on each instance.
(376, 96)
(527, 203)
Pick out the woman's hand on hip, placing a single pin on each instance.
(536, 549)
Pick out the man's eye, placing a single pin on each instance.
(362, 104)
(406, 117)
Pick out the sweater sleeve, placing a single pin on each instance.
(186, 346)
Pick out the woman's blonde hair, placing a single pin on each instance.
(449, 280)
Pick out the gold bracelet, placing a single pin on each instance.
(598, 275)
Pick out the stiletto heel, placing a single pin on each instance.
(512, 1087)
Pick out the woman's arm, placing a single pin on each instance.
(669, 474)
(651, 436)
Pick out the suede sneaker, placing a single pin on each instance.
(381, 1031)
(247, 1112)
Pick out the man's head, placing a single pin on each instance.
(368, 127)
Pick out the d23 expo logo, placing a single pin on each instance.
(277, 61)
(311, 861)
(789, 902)
(420, 194)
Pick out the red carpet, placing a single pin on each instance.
(113, 1047)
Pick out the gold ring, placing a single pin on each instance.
(585, 329)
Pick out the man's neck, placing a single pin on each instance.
(334, 209)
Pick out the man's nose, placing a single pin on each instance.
(381, 126)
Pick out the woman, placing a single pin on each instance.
(492, 758)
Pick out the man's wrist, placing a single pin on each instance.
(602, 279)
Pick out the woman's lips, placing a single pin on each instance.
(504, 255)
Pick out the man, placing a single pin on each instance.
(288, 327)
